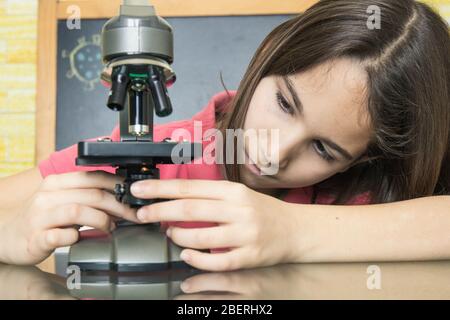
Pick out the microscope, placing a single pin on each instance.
(137, 48)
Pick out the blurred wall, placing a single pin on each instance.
(18, 31)
(443, 7)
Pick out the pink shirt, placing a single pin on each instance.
(64, 160)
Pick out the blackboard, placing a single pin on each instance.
(203, 47)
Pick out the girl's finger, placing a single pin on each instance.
(227, 261)
(186, 188)
(48, 240)
(81, 180)
(95, 198)
(206, 238)
(189, 210)
(77, 214)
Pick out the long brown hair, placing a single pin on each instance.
(408, 91)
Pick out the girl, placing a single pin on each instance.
(363, 118)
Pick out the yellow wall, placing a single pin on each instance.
(443, 6)
(18, 30)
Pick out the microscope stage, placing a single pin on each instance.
(135, 152)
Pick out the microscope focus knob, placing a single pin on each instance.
(119, 191)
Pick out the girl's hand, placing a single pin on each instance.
(256, 227)
(52, 216)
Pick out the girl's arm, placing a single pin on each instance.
(253, 229)
(417, 229)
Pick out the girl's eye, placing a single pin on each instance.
(320, 149)
(284, 105)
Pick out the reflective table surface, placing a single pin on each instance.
(403, 280)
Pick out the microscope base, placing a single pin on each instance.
(131, 248)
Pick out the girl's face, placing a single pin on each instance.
(322, 121)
